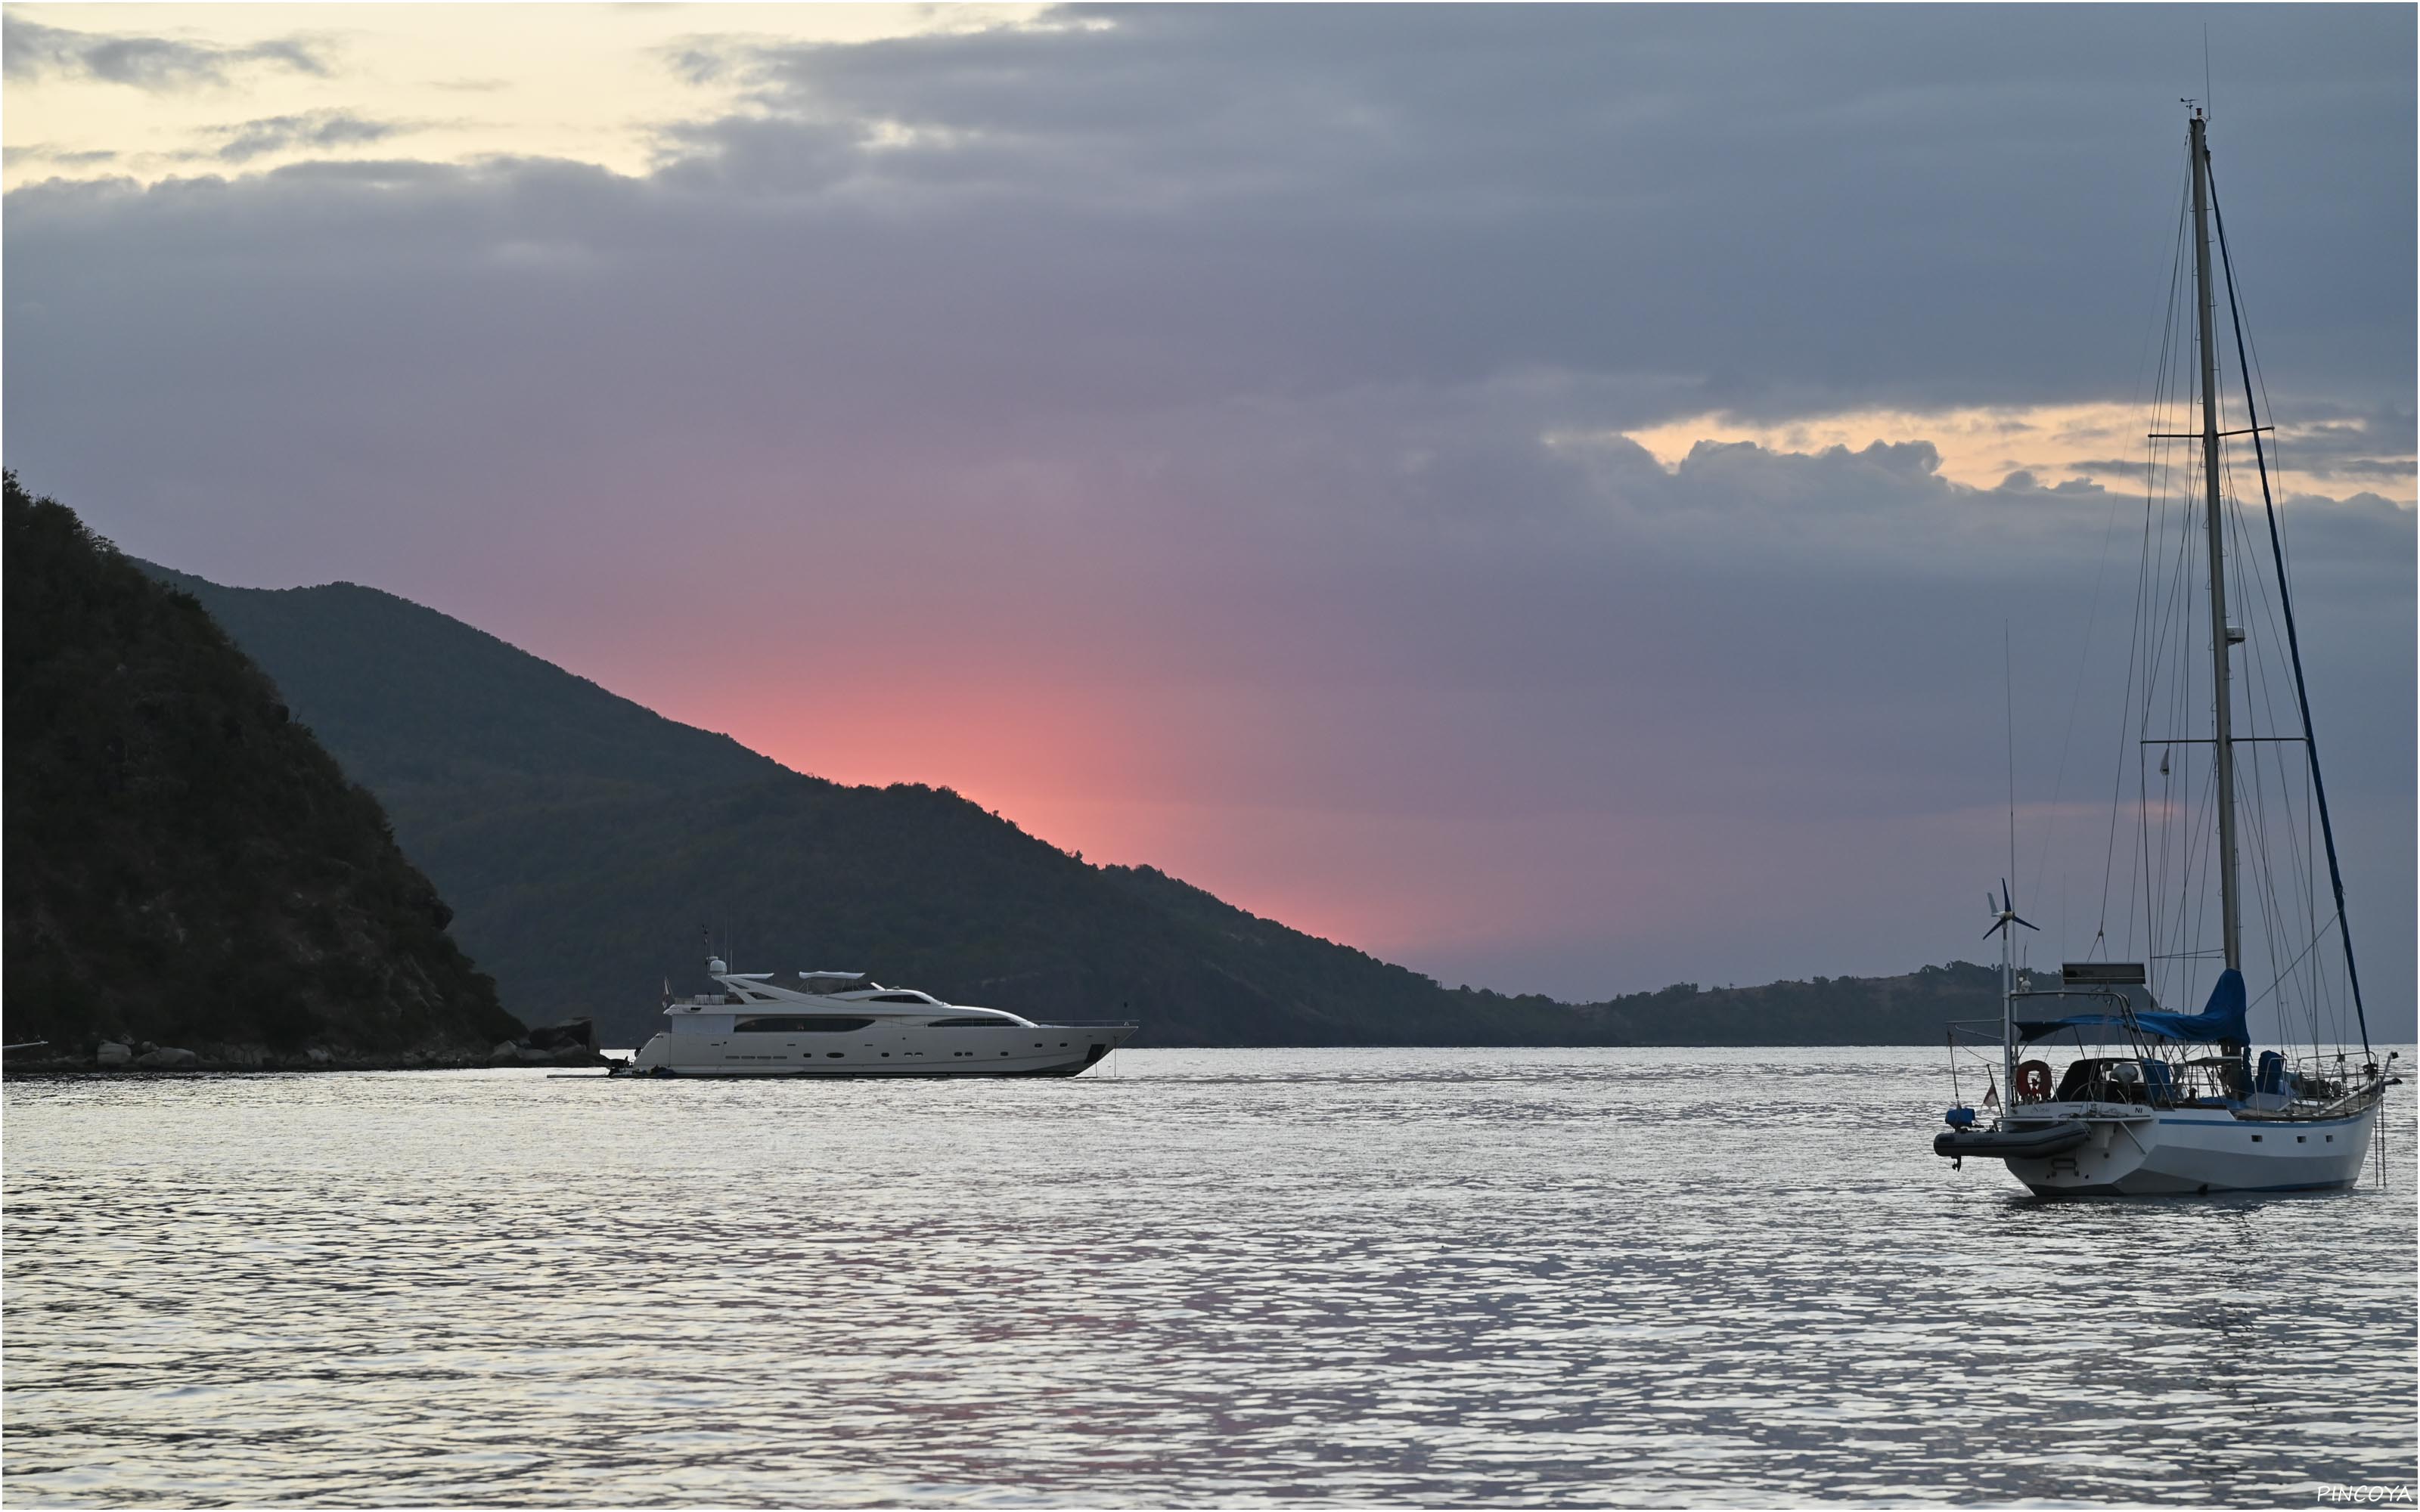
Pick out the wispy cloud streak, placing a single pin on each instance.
(316, 130)
(30, 52)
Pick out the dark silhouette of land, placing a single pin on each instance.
(187, 867)
(583, 841)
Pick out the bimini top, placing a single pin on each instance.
(2220, 1022)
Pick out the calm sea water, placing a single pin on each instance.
(1230, 1277)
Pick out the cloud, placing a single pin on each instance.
(318, 128)
(702, 60)
(1509, 182)
(33, 51)
(2334, 451)
(64, 156)
(2374, 445)
(1253, 390)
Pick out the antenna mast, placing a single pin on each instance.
(2221, 636)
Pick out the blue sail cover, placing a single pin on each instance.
(2220, 1022)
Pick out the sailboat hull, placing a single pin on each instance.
(2185, 1152)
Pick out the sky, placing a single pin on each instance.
(1565, 499)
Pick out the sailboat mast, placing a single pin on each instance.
(2221, 638)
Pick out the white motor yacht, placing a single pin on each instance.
(841, 1024)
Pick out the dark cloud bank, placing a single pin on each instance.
(1264, 369)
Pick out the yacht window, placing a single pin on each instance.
(898, 997)
(815, 1024)
(970, 1023)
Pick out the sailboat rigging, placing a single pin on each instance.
(2164, 1101)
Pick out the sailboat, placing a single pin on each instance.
(2153, 1101)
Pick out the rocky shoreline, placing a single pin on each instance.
(568, 1044)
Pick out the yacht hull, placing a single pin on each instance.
(906, 1051)
(2187, 1151)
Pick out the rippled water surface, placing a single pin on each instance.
(1377, 1275)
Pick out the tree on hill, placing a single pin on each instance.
(185, 864)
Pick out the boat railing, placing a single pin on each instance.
(2344, 1104)
(2334, 1079)
(2309, 1087)
(2340, 1064)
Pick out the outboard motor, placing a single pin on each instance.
(1960, 1120)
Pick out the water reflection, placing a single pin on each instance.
(1554, 1276)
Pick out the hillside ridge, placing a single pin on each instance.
(588, 842)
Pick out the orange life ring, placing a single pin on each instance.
(2033, 1081)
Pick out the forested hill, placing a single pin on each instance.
(584, 841)
(185, 865)
(420, 706)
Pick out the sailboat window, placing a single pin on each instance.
(812, 1024)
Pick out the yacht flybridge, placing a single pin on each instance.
(841, 1024)
(2163, 1102)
